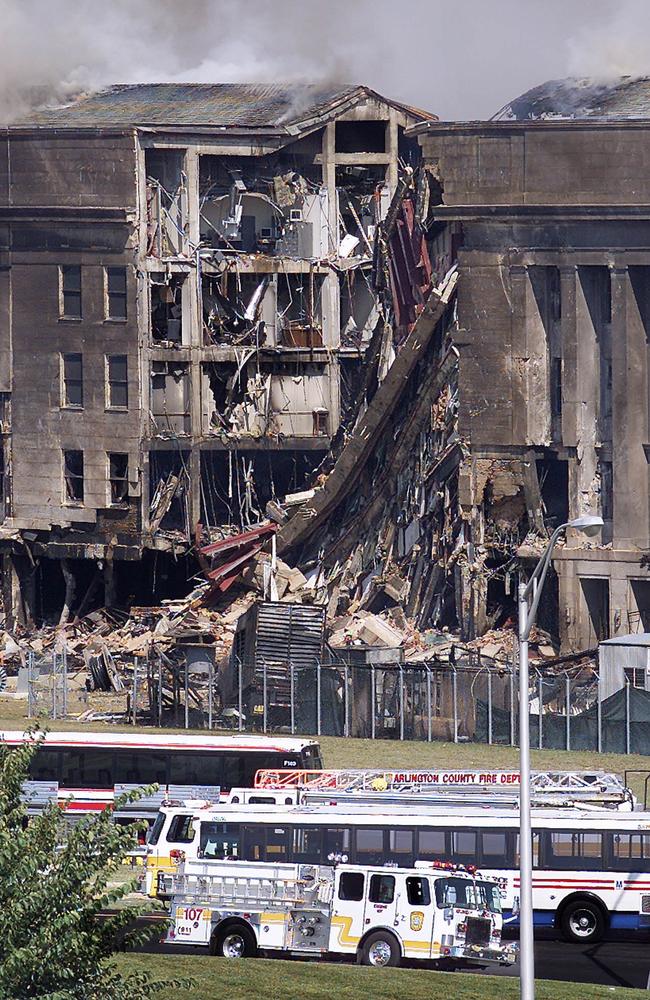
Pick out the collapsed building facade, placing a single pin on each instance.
(185, 313)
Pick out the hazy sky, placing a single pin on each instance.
(463, 59)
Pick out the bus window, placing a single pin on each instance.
(277, 848)
(563, 848)
(233, 774)
(253, 762)
(220, 841)
(336, 841)
(254, 843)
(71, 773)
(351, 886)
(191, 768)
(400, 846)
(130, 767)
(432, 845)
(382, 889)
(181, 830)
(417, 891)
(631, 852)
(311, 758)
(307, 842)
(535, 850)
(494, 848)
(463, 847)
(369, 846)
(45, 765)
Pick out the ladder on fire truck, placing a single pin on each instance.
(294, 885)
(586, 789)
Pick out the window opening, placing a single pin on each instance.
(70, 291)
(118, 385)
(351, 886)
(72, 381)
(73, 473)
(116, 293)
(118, 475)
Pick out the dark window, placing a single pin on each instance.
(382, 889)
(45, 765)
(307, 845)
(535, 849)
(631, 852)
(432, 845)
(72, 388)
(311, 758)
(563, 847)
(494, 848)
(400, 846)
(417, 891)
(277, 843)
(254, 843)
(131, 767)
(118, 476)
(70, 291)
(220, 841)
(73, 474)
(336, 841)
(116, 293)
(556, 387)
(467, 893)
(463, 846)
(234, 772)
(369, 843)
(154, 832)
(181, 830)
(193, 768)
(351, 886)
(117, 381)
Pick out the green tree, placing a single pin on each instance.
(53, 888)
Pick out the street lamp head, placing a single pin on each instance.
(588, 524)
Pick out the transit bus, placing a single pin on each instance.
(591, 869)
(86, 770)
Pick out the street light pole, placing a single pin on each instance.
(529, 595)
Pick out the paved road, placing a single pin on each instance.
(619, 960)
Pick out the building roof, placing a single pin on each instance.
(283, 107)
(622, 97)
(635, 639)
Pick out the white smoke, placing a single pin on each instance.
(460, 60)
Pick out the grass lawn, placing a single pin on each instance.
(340, 752)
(219, 978)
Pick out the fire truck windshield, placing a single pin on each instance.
(468, 894)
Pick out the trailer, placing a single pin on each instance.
(380, 914)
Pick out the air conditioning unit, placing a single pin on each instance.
(295, 215)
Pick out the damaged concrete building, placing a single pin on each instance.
(185, 313)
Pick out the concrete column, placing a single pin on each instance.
(629, 416)
(518, 290)
(569, 332)
(192, 186)
(392, 148)
(587, 499)
(536, 366)
(329, 181)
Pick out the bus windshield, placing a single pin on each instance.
(469, 895)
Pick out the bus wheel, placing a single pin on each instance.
(380, 949)
(582, 921)
(235, 941)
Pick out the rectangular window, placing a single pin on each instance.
(277, 838)
(369, 846)
(382, 889)
(400, 846)
(70, 291)
(117, 383)
(631, 852)
(118, 477)
(181, 830)
(494, 848)
(432, 845)
(463, 846)
(535, 849)
(220, 841)
(336, 842)
(72, 380)
(351, 886)
(115, 278)
(307, 845)
(418, 892)
(73, 475)
(564, 847)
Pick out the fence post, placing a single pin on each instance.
(567, 688)
(64, 664)
(264, 694)
(346, 720)
(599, 721)
(318, 683)
(187, 696)
(373, 696)
(512, 704)
(540, 694)
(429, 721)
(627, 717)
(210, 682)
(160, 690)
(489, 694)
(30, 685)
(454, 691)
(292, 696)
(135, 691)
(240, 695)
(401, 703)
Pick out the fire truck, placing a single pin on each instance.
(382, 915)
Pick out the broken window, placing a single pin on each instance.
(596, 596)
(361, 137)
(168, 488)
(72, 380)
(118, 477)
(167, 308)
(73, 476)
(556, 387)
(115, 278)
(70, 291)
(300, 310)
(639, 599)
(166, 202)
(170, 397)
(238, 308)
(117, 383)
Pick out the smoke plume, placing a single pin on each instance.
(460, 60)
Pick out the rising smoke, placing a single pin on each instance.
(460, 60)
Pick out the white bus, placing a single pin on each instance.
(86, 769)
(591, 869)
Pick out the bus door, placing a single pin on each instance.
(348, 910)
(381, 901)
(415, 912)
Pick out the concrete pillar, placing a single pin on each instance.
(518, 292)
(569, 333)
(587, 499)
(329, 181)
(629, 416)
(392, 148)
(536, 364)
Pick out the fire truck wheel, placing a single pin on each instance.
(380, 949)
(235, 941)
(583, 921)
